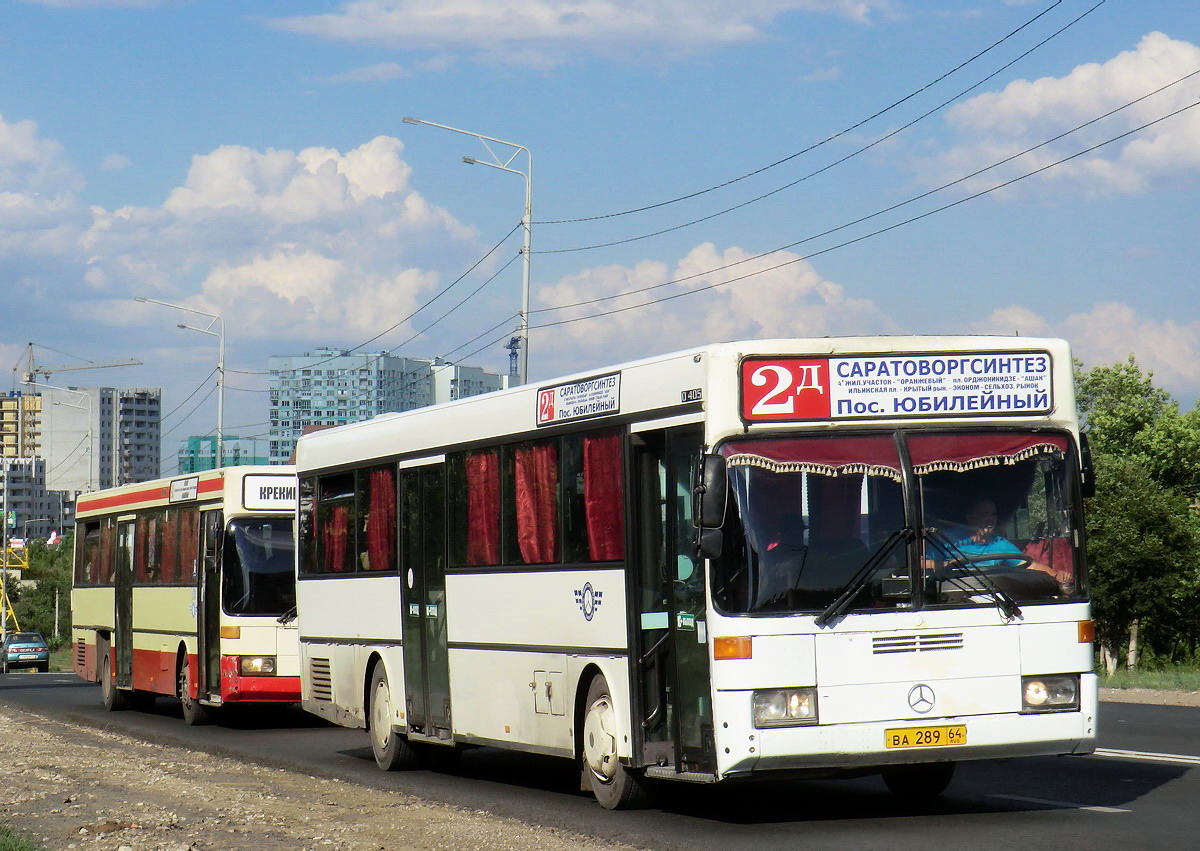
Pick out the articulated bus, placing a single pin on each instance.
(186, 587)
(777, 558)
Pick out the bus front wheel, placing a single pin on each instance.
(615, 786)
(194, 712)
(918, 781)
(392, 750)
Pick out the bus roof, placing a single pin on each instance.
(659, 386)
(204, 486)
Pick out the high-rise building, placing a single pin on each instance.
(333, 387)
(200, 453)
(100, 437)
(31, 510)
(20, 424)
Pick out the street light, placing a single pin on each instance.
(526, 220)
(220, 335)
(26, 523)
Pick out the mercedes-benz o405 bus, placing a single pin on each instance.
(809, 557)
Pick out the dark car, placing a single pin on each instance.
(24, 650)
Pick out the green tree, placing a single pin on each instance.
(1144, 535)
(47, 601)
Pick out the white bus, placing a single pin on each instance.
(186, 587)
(754, 559)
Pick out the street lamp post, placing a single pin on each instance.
(26, 523)
(220, 335)
(526, 219)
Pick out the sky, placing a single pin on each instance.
(699, 171)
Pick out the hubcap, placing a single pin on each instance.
(381, 724)
(599, 741)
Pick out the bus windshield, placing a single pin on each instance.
(258, 569)
(823, 523)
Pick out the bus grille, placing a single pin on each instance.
(918, 643)
(322, 681)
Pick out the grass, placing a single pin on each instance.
(10, 840)
(1171, 679)
(61, 659)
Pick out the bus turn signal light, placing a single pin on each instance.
(231, 632)
(733, 647)
(1087, 632)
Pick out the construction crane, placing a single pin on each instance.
(33, 369)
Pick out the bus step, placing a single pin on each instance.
(666, 772)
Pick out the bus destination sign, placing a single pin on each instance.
(269, 491)
(579, 400)
(776, 389)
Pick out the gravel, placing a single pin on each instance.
(69, 786)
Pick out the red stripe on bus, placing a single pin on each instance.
(132, 498)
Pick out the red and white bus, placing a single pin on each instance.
(185, 587)
(754, 559)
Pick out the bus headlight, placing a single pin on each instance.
(1050, 694)
(785, 707)
(258, 666)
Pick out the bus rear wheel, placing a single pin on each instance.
(615, 786)
(392, 751)
(114, 699)
(194, 712)
(915, 782)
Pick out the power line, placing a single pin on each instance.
(854, 240)
(816, 145)
(836, 162)
(199, 387)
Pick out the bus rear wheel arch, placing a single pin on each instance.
(615, 785)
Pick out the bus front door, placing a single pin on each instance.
(426, 660)
(672, 651)
(124, 605)
(208, 639)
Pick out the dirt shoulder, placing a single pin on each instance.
(70, 786)
(1146, 695)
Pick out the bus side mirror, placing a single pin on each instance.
(1087, 478)
(709, 492)
(709, 501)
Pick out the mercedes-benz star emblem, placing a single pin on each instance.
(920, 698)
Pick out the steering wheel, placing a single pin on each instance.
(981, 560)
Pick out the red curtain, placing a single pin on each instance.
(381, 520)
(603, 497)
(141, 549)
(107, 573)
(537, 502)
(483, 508)
(333, 539)
(189, 544)
(967, 451)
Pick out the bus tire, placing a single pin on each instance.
(615, 786)
(194, 712)
(915, 782)
(115, 699)
(392, 751)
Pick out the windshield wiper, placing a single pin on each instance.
(855, 585)
(965, 563)
(287, 617)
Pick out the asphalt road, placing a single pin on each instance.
(1138, 791)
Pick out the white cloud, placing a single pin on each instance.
(33, 166)
(114, 162)
(753, 299)
(998, 125)
(543, 31)
(1108, 333)
(378, 72)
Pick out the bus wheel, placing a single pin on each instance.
(194, 712)
(392, 750)
(914, 782)
(114, 699)
(615, 786)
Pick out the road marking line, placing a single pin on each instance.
(1061, 804)
(1145, 756)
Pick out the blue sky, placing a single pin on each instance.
(250, 160)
